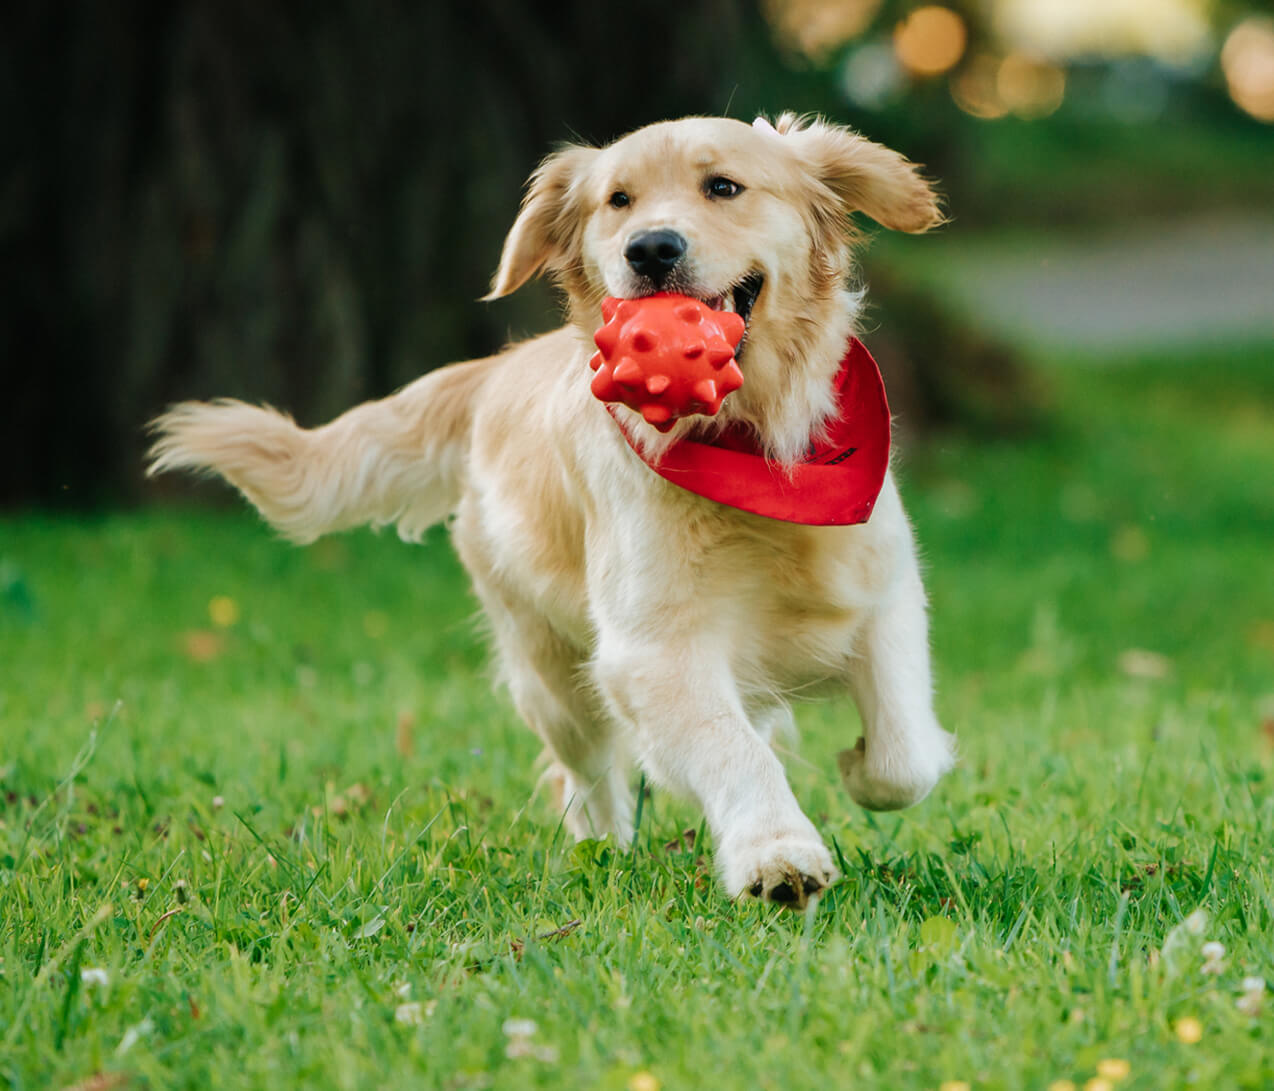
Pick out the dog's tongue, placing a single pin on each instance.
(667, 356)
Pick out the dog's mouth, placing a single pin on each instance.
(740, 299)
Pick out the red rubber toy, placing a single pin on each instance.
(667, 356)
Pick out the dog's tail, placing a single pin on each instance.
(398, 460)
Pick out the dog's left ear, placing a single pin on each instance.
(865, 177)
(546, 232)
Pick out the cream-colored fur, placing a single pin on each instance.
(633, 620)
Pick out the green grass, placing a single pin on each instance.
(229, 823)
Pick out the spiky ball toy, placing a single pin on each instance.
(667, 356)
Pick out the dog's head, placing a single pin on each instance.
(752, 218)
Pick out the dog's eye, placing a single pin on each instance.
(619, 199)
(722, 187)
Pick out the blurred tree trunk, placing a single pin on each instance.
(297, 203)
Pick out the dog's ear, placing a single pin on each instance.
(865, 177)
(546, 232)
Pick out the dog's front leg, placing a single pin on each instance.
(691, 734)
(903, 751)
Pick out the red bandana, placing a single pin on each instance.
(835, 484)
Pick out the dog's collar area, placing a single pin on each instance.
(835, 484)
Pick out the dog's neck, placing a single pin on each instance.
(836, 482)
(787, 395)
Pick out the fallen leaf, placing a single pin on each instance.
(404, 739)
(1260, 634)
(202, 645)
(686, 841)
(99, 1081)
(1140, 663)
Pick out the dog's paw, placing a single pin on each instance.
(787, 868)
(892, 788)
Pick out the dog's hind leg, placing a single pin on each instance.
(587, 772)
(903, 751)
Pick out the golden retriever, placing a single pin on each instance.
(633, 620)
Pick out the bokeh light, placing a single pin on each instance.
(930, 40)
(1030, 87)
(1135, 90)
(871, 76)
(974, 88)
(1172, 30)
(817, 28)
(1247, 58)
(990, 87)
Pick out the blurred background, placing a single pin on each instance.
(301, 203)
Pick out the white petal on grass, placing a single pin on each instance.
(1250, 1003)
(133, 1035)
(1178, 951)
(1140, 663)
(519, 1047)
(1253, 985)
(1212, 950)
(410, 1014)
(413, 1013)
(94, 975)
(519, 1028)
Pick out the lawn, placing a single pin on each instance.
(263, 822)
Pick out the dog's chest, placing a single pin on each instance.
(787, 599)
(808, 591)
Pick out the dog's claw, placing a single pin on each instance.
(786, 869)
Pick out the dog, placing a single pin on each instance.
(633, 620)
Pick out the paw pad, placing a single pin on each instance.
(791, 890)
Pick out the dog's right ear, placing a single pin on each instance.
(863, 176)
(546, 232)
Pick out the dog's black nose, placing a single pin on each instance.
(655, 254)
